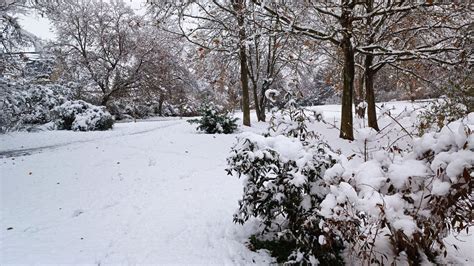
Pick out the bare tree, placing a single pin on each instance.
(395, 32)
(330, 21)
(211, 25)
(13, 38)
(102, 39)
(163, 75)
(358, 26)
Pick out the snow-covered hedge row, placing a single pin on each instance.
(82, 116)
(400, 206)
(26, 104)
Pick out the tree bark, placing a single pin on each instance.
(348, 73)
(239, 6)
(346, 131)
(263, 101)
(369, 93)
(256, 100)
(369, 76)
(360, 110)
(105, 100)
(160, 105)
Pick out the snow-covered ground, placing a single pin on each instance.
(152, 191)
(144, 192)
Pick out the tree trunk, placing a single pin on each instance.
(256, 100)
(360, 110)
(369, 76)
(263, 101)
(238, 6)
(346, 131)
(370, 94)
(105, 100)
(348, 73)
(160, 105)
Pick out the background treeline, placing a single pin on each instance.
(179, 54)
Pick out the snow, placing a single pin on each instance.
(270, 94)
(369, 176)
(400, 172)
(322, 240)
(462, 160)
(288, 148)
(144, 192)
(440, 188)
(327, 205)
(365, 134)
(155, 191)
(14, 141)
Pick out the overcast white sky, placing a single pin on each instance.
(41, 27)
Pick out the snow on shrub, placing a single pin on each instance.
(215, 120)
(365, 137)
(400, 206)
(82, 116)
(439, 113)
(292, 121)
(23, 105)
(271, 95)
(283, 189)
(389, 206)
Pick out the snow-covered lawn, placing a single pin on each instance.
(144, 192)
(147, 192)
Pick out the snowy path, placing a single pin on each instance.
(141, 195)
(29, 151)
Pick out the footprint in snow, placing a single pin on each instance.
(151, 162)
(77, 213)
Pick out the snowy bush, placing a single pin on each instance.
(400, 206)
(82, 116)
(292, 121)
(283, 189)
(24, 105)
(215, 120)
(187, 109)
(439, 113)
(39, 69)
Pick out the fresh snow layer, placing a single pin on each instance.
(148, 192)
(153, 191)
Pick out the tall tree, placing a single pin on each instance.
(104, 40)
(394, 32)
(239, 7)
(211, 26)
(370, 28)
(330, 21)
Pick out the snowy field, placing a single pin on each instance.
(152, 191)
